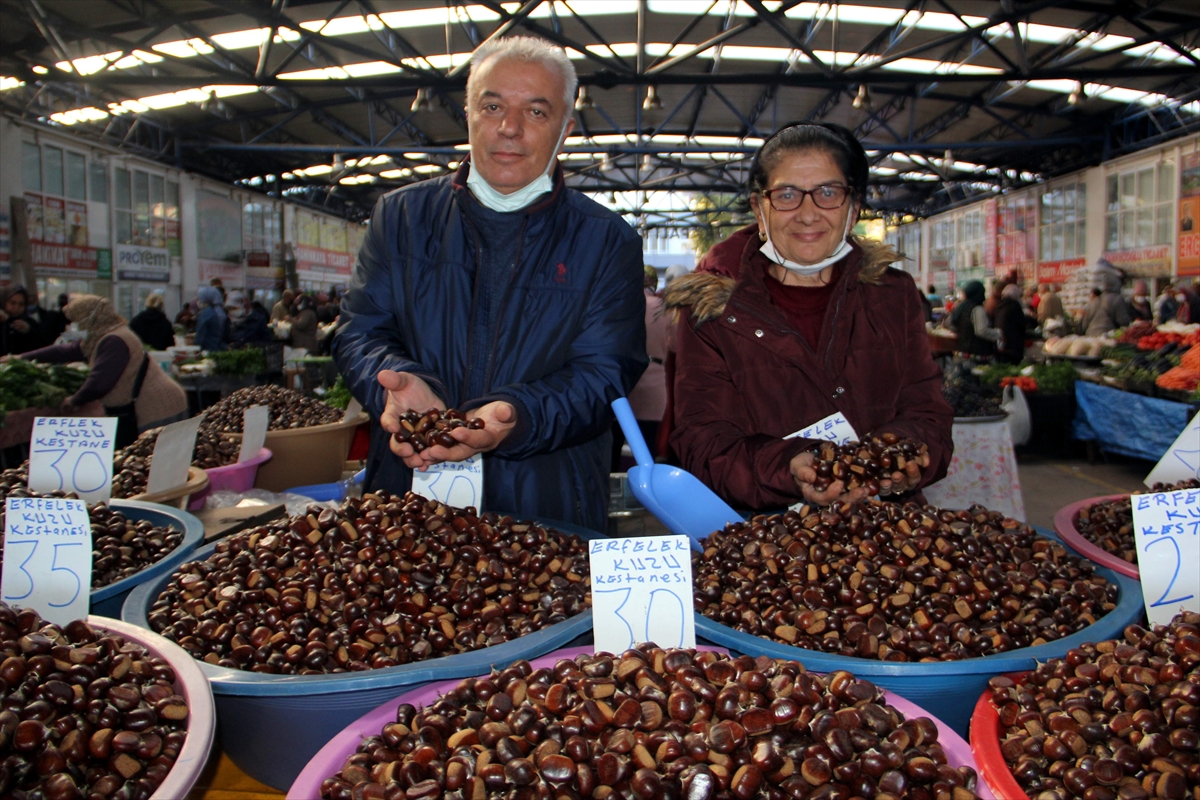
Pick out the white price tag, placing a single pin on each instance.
(47, 557)
(642, 592)
(255, 421)
(172, 455)
(1181, 462)
(455, 483)
(834, 428)
(353, 409)
(1166, 528)
(73, 454)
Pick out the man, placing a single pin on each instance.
(282, 310)
(501, 292)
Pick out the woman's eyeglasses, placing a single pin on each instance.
(789, 198)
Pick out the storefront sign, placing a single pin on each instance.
(319, 264)
(1143, 262)
(1058, 271)
(141, 263)
(49, 251)
(259, 272)
(1189, 215)
(61, 259)
(230, 274)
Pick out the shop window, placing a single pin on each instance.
(98, 183)
(31, 167)
(76, 169)
(1063, 230)
(123, 201)
(1140, 207)
(52, 170)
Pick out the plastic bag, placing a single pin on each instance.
(1019, 424)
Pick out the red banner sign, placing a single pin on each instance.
(1058, 271)
(327, 262)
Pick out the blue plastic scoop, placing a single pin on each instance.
(676, 497)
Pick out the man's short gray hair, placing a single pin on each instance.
(527, 48)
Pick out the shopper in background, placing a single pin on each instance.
(648, 399)
(40, 317)
(212, 324)
(502, 292)
(1108, 311)
(1189, 302)
(1010, 321)
(247, 321)
(219, 285)
(56, 321)
(152, 326)
(1140, 305)
(18, 332)
(970, 323)
(814, 324)
(304, 325)
(186, 318)
(282, 311)
(131, 386)
(1051, 305)
(1166, 307)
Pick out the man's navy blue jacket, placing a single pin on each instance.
(562, 337)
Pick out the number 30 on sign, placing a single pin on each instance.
(642, 592)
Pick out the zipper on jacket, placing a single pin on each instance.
(474, 305)
(504, 297)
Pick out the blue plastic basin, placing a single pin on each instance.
(271, 725)
(107, 600)
(946, 689)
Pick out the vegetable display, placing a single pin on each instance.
(24, 384)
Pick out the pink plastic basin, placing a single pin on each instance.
(329, 760)
(191, 684)
(1064, 523)
(230, 478)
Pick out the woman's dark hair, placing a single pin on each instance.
(834, 140)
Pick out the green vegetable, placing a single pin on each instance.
(338, 395)
(1055, 378)
(25, 384)
(246, 361)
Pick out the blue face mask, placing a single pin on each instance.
(840, 252)
(486, 194)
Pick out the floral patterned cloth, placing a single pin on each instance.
(983, 471)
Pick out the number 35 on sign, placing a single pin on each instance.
(1166, 527)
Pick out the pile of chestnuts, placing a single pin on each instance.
(1109, 523)
(1115, 720)
(654, 723)
(896, 582)
(83, 713)
(383, 580)
(288, 409)
(433, 427)
(864, 463)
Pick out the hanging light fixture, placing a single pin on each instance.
(339, 163)
(652, 100)
(862, 98)
(648, 163)
(584, 100)
(1077, 95)
(948, 160)
(608, 164)
(421, 101)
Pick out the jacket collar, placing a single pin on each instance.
(458, 181)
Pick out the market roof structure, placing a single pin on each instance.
(333, 103)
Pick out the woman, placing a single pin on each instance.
(132, 388)
(1010, 321)
(212, 325)
(304, 325)
(1109, 310)
(152, 326)
(969, 321)
(18, 333)
(815, 324)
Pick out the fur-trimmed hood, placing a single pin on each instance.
(706, 294)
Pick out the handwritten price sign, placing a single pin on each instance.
(455, 483)
(642, 592)
(47, 557)
(73, 454)
(1166, 527)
